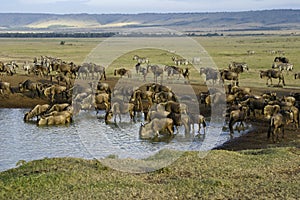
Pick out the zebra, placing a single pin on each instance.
(141, 60)
(181, 61)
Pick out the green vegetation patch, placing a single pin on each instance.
(256, 174)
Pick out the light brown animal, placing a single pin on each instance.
(156, 127)
(37, 111)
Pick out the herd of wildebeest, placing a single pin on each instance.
(163, 111)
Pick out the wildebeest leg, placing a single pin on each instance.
(120, 117)
(115, 119)
(269, 131)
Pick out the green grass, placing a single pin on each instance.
(254, 174)
(223, 50)
(251, 174)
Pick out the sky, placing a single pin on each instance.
(141, 6)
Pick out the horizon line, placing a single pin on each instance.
(177, 12)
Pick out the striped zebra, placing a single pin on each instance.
(140, 60)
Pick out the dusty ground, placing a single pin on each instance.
(255, 139)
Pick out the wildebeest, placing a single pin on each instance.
(34, 87)
(171, 70)
(281, 59)
(277, 124)
(238, 67)
(58, 107)
(294, 112)
(100, 72)
(102, 99)
(122, 72)
(57, 119)
(231, 76)
(254, 103)
(198, 119)
(54, 90)
(237, 116)
(5, 87)
(157, 71)
(62, 67)
(137, 67)
(210, 74)
(159, 114)
(270, 110)
(297, 75)
(103, 88)
(118, 109)
(156, 127)
(63, 78)
(271, 73)
(37, 111)
(4, 68)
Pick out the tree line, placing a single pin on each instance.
(57, 35)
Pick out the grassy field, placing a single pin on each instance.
(251, 174)
(272, 173)
(223, 50)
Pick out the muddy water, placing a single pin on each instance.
(89, 137)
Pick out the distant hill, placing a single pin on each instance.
(246, 20)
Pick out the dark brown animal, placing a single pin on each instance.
(271, 73)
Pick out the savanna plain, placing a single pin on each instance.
(248, 167)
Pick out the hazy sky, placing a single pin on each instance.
(141, 6)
